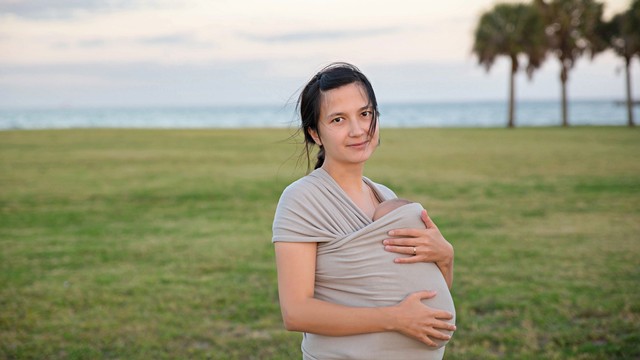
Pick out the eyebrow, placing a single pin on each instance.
(332, 115)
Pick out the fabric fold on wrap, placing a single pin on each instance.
(352, 267)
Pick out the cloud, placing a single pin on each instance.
(305, 36)
(143, 83)
(177, 38)
(59, 9)
(91, 43)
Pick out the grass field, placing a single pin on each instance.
(156, 244)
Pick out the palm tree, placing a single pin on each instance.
(510, 30)
(572, 30)
(622, 33)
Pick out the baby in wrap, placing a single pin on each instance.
(366, 275)
(388, 206)
(443, 303)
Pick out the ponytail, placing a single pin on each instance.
(320, 160)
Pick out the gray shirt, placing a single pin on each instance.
(352, 267)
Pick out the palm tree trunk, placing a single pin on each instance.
(563, 80)
(629, 97)
(514, 68)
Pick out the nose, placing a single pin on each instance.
(355, 128)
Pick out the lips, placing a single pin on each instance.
(359, 144)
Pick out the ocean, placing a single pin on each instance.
(427, 114)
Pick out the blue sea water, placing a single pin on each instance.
(428, 114)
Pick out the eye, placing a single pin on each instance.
(337, 120)
(367, 113)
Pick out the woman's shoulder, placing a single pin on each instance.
(296, 216)
(300, 188)
(301, 192)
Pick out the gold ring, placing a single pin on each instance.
(414, 251)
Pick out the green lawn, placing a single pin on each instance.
(156, 244)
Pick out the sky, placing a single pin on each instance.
(87, 53)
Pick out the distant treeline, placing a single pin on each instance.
(564, 29)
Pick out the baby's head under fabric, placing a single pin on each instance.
(388, 206)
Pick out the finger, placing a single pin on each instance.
(427, 220)
(445, 315)
(406, 232)
(408, 260)
(425, 339)
(425, 294)
(439, 335)
(408, 250)
(444, 326)
(419, 295)
(448, 327)
(399, 241)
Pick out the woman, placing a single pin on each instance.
(313, 228)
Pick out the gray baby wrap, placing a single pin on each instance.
(353, 268)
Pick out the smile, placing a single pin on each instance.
(364, 143)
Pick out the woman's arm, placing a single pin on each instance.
(429, 245)
(296, 264)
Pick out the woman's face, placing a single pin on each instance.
(343, 126)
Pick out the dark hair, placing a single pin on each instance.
(331, 77)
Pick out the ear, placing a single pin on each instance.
(316, 137)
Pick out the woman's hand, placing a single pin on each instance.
(426, 245)
(416, 320)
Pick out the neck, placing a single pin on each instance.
(348, 177)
